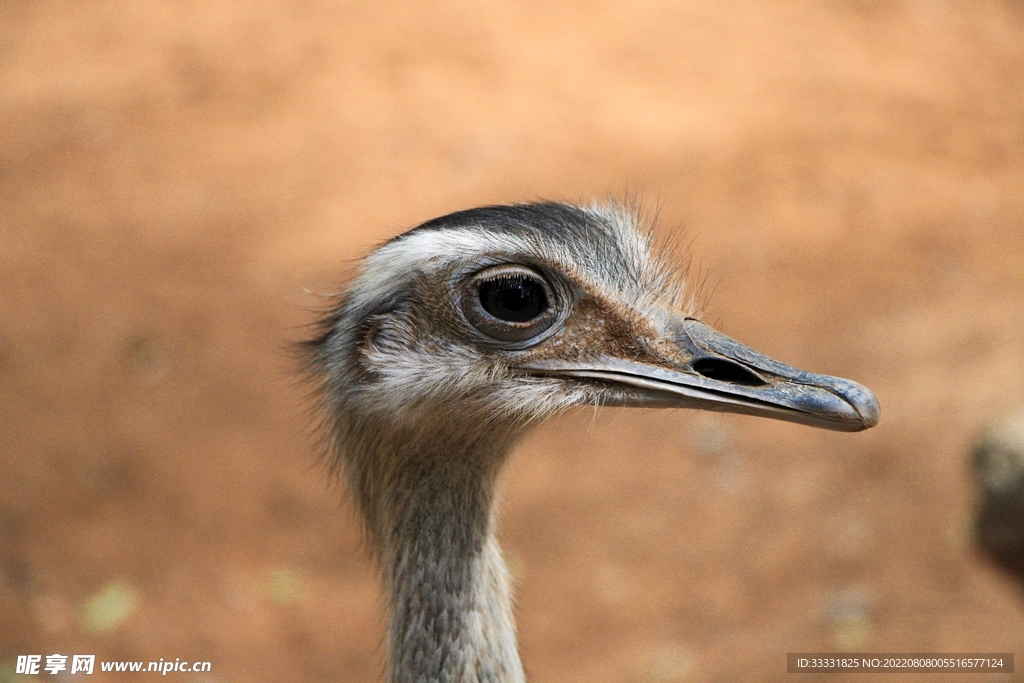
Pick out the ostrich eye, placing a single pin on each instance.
(511, 304)
(513, 298)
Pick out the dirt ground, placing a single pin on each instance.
(178, 181)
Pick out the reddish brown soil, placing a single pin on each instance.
(175, 175)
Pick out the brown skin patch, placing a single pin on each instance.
(596, 328)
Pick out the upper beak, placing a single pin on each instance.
(723, 375)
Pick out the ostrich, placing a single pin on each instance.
(457, 336)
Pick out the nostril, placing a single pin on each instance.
(727, 371)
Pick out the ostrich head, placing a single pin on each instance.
(457, 335)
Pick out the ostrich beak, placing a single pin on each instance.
(716, 372)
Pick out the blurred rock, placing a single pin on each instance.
(285, 585)
(999, 465)
(110, 608)
(851, 617)
(148, 358)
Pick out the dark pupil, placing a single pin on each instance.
(513, 299)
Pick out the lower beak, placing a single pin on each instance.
(723, 375)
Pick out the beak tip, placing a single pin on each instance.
(870, 417)
(863, 401)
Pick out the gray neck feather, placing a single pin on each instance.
(428, 510)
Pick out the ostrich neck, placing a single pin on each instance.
(450, 615)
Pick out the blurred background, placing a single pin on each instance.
(177, 177)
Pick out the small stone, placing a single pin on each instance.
(148, 358)
(851, 618)
(284, 585)
(110, 608)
